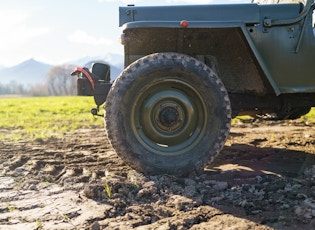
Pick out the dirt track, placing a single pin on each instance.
(263, 179)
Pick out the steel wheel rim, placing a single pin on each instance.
(169, 117)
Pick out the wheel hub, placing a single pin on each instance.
(169, 117)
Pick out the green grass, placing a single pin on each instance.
(310, 117)
(44, 117)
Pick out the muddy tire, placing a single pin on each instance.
(167, 113)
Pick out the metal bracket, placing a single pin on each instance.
(267, 25)
(94, 112)
(267, 22)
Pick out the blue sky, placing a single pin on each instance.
(57, 31)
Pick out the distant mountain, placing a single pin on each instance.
(114, 70)
(116, 62)
(32, 72)
(111, 58)
(27, 73)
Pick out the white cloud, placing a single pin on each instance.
(83, 37)
(15, 30)
(10, 17)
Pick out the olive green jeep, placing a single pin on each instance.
(190, 69)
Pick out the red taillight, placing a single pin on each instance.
(184, 23)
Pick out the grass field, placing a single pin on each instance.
(310, 117)
(50, 117)
(45, 117)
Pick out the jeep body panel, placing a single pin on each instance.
(250, 54)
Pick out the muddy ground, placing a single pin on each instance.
(263, 179)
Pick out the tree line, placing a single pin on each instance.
(58, 82)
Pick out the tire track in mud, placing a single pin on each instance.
(263, 179)
(73, 160)
(41, 182)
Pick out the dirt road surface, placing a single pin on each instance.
(263, 179)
